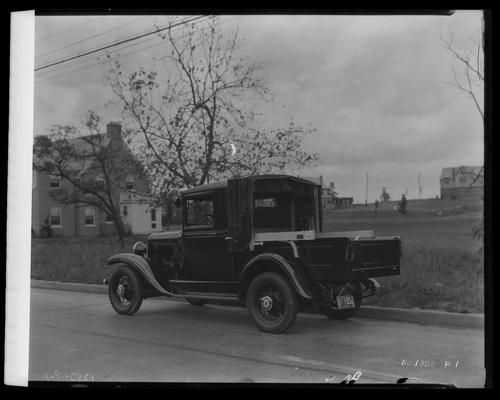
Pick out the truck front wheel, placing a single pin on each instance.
(272, 302)
(125, 290)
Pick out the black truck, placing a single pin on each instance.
(257, 239)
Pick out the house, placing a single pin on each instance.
(342, 202)
(81, 219)
(330, 198)
(326, 193)
(463, 181)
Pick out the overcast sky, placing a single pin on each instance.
(374, 88)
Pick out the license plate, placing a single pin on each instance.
(344, 302)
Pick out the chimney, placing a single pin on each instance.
(114, 131)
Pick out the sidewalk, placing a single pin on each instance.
(422, 317)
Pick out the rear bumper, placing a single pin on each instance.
(342, 274)
(359, 274)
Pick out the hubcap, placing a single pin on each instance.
(123, 290)
(266, 302)
(271, 304)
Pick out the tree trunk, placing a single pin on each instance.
(120, 230)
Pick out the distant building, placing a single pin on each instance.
(138, 216)
(463, 181)
(343, 202)
(330, 198)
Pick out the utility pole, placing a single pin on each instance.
(419, 187)
(366, 197)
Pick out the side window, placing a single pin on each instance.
(130, 183)
(55, 216)
(55, 181)
(153, 218)
(200, 211)
(89, 216)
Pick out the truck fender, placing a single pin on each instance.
(141, 265)
(284, 266)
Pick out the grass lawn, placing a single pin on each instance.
(429, 223)
(441, 267)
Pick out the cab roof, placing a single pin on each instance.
(223, 184)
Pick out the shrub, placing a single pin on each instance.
(46, 230)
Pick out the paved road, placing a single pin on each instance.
(77, 336)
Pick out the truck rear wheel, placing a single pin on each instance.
(272, 302)
(336, 314)
(125, 290)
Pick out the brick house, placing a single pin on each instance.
(80, 219)
(463, 181)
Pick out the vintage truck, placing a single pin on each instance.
(257, 239)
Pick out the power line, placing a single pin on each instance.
(114, 44)
(62, 31)
(109, 52)
(92, 37)
(112, 51)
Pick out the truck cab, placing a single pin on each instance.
(257, 239)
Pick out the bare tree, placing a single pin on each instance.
(469, 60)
(92, 167)
(468, 65)
(191, 119)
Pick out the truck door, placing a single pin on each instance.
(203, 242)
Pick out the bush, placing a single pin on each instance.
(46, 230)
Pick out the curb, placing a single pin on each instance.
(422, 317)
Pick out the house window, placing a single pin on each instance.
(55, 181)
(125, 211)
(89, 216)
(130, 184)
(153, 218)
(200, 212)
(55, 216)
(109, 219)
(463, 179)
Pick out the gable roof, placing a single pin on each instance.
(451, 172)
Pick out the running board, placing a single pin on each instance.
(206, 289)
(208, 296)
